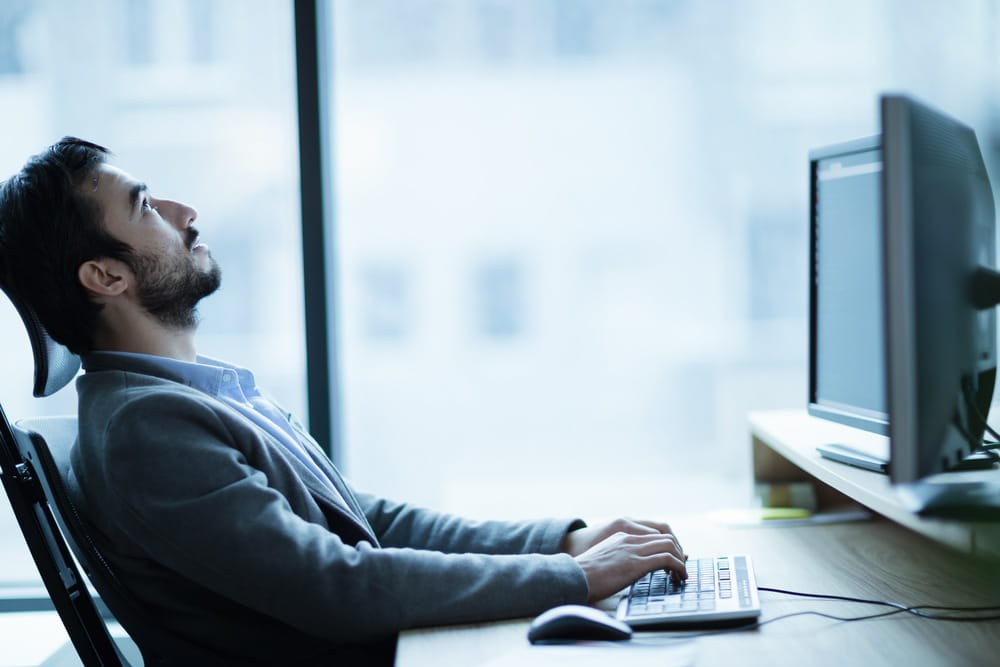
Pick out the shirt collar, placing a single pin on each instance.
(211, 376)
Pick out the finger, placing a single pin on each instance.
(658, 526)
(633, 527)
(644, 545)
(670, 563)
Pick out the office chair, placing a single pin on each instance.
(28, 472)
(41, 486)
(20, 462)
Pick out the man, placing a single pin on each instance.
(218, 511)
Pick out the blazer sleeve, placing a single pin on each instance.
(403, 525)
(399, 525)
(180, 486)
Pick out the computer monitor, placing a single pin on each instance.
(846, 356)
(940, 342)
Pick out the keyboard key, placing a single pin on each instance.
(710, 589)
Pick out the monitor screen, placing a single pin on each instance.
(847, 361)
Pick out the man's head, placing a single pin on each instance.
(77, 234)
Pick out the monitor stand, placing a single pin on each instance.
(836, 451)
(975, 500)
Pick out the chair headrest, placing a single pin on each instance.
(55, 365)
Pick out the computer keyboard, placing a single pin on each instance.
(720, 588)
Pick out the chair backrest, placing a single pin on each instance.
(55, 365)
(47, 443)
(26, 488)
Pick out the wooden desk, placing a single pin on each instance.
(875, 559)
(883, 559)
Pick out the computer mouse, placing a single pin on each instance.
(571, 622)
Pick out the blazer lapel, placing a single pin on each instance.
(322, 460)
(346, 504)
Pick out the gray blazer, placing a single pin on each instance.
(231, 543)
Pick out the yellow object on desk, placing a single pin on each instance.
(780, 513)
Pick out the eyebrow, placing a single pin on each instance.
(133, 195)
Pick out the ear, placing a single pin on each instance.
(104, 277)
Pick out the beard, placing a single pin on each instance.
(170, 288)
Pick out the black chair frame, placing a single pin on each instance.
(26, 470)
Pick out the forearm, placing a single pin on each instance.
(400, 525)
(307, 577)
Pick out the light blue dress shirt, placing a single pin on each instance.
(236, 387)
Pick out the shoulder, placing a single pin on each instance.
(133, 428)
(122, 406)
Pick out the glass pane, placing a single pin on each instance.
(573, 234)
(197, 99)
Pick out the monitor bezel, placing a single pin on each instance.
(850, 415)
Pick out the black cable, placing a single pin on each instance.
(756, 624)
(971, 402)
(897, 608)
(915, 610)
(973, 444)
(823, 596)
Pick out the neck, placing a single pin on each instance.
(145, 335)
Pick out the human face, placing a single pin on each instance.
(172, 271)
(146, 223)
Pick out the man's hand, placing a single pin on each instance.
(578, 541)
(616, 554)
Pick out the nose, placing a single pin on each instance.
(180, 215)
(189, 215)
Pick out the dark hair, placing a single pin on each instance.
(48, 228)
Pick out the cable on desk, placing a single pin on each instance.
(919, 611)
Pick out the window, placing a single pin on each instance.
(385, 301)
(603, 207)
(204, 112)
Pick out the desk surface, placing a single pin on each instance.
(874, 559)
